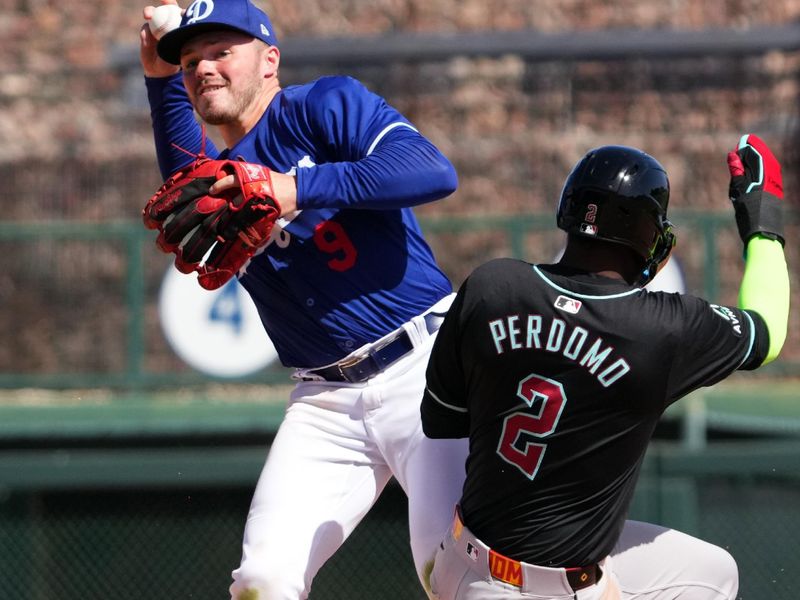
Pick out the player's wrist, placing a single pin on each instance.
(285, 189)
(759, 213)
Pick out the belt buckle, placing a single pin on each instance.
(347, 363)
(344, 365)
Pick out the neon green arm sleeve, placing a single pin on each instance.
(765, 289)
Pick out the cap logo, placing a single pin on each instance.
(199, 10)
(264, 30)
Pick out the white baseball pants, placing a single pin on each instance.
(649, 562)
(336, 449)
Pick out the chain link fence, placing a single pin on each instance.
(182, 543)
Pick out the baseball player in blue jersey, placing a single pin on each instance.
(346, 286)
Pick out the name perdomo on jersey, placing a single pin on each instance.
(533, 332)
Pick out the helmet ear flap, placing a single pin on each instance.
(661, 252)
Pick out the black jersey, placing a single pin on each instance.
(559, 379)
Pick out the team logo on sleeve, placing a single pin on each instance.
(727, 314)
(568, 305)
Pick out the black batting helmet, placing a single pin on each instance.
(620, 194)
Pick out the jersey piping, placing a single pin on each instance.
(752, 339)
(445, 404)
(383, 133)
(583, 296)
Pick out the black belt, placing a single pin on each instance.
(581, 577)
(379, 357)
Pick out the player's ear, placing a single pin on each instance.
(270, 61)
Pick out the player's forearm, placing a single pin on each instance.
(174, 125)
(765, 289)
(404, 172)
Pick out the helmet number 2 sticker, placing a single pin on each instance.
(521, 430)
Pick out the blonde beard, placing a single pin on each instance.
(233, 110)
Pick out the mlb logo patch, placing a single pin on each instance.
(568, 305)
(588, 229)
(472, 552)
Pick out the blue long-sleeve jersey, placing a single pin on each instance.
(351, 264)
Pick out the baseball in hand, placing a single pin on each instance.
(165, 18)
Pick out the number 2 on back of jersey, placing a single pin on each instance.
(517, 445)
